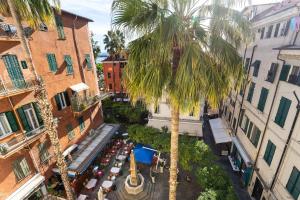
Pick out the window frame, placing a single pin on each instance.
(24, 172)
(2, 129)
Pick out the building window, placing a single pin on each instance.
(249, 129)
(276, 30)
(110, 86)
(62, 100)
(293, 184)
(269, 33)
(287, 28)
(69, 64)
(250, 92)
(81, 123)
(88, 61)
(262, 33)
(14, 71)
(256, 65)
(108, 75)
(262, 99)
(21, 169)
(70, 131)
(52, 62)
(284, 72)
(234, 123)
(245, 123)
(60, 27)
(269, 153)
(43, 152)
(247, 62)
(294, 77)
(282, 111)
(272, 72)
(24, 64)
(255, 136)
(30, 117)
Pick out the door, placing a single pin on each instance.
(31, 116)
(257, 190)
(14, 71)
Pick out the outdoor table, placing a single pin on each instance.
(115, 170)
(105, 160)
(82, 197)
(91, 184)
(121, 157)
(106, 185)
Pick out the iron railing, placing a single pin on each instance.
(15, 86)
(81, 103)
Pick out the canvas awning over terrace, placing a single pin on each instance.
(220, 131)
(79, 87)
(89, 148)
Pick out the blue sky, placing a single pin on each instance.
(99, 11)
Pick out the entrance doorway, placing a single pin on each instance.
(257, 190)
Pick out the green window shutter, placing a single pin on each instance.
(58, 104)
(88, 61)
(52, 62)
(67, 98)
(262, 99)
(24, 64)
(81, 123)
(12, 121)
(14, 70)
(59, 27)
(291, 185)
(284, 72)
(282, 111)
(256, 68)
(38, 113)
(250, 129)
(23, 119)
(250, 92)
(269, 153)
(69, 64)
(70, 131)
(256, 138)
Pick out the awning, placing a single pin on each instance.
(219, 131)
(242, 151)
(79, 87)
(70, 174)
(70, 149)
(143, 155)
(28, 187)
(90, 148)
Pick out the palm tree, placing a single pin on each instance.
(34, 13)
(114, 44)
(186, 49)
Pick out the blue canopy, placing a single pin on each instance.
(143, 155)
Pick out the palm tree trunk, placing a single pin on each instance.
(43, 102)
(174, 151)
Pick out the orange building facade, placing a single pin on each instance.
(63, 58)
(113, 72)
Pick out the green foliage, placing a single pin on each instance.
(114, 42)
(95, 46)
(123, 112)
(208, 195)
(99, 68)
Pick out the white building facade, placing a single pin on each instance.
(264, 115)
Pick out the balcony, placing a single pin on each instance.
(19, 141)
(82, 103)
(11, 88)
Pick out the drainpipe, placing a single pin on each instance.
(269, 116)
(287, 144)
(244, 89)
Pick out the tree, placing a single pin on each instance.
(34, 13)
(114, 44)
(95, 46)
(186, 49)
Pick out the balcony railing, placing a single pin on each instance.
(82, 103)
(19, 141)
(8, 30)
(8, 88)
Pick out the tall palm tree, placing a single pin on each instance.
(186, 49)
(34, 13)
(114, 44)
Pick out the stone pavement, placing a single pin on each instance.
(224, 163)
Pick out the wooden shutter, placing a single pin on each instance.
(88, 61)
(38, 113)
(250, 92)
(267, 151)
(256, 68)
(69, 63)
(284, 72)
(23, 119)
(262, 99)
(14, 71)
(52, 62)
(249, 130)
(12, 121)
(247, 124)
(292, 180)
(282, 111)
(60, 27)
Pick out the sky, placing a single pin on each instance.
(99, 11)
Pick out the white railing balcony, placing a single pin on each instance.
(10, 88)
